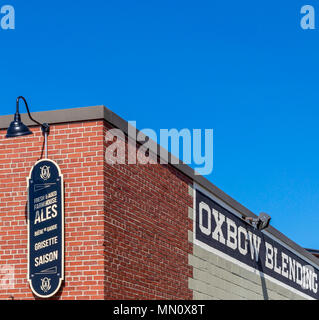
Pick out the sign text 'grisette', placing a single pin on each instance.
(45, 228)
(222, 232)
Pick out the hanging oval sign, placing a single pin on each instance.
(45, 228)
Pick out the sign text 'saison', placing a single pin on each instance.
(221, 230)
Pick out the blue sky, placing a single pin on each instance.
(244, 68)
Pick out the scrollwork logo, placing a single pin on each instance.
(45, 172)
(46, 285)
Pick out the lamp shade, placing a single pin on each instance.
(17, 128)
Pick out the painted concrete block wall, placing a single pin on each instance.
(215, 278)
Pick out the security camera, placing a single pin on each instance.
(261, 222)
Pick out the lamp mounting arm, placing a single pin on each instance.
(44, 126)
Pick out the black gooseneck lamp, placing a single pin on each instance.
(18, 129)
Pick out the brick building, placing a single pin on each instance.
(137, 231)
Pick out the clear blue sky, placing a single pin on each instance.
(244, 68)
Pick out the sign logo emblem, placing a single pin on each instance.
(45, 286)
(45, 172)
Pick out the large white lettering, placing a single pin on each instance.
(254, 242)
(231, 234)
(219, 220)
(203, 207)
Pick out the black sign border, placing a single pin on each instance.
(61, 279)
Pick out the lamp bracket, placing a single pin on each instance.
(45, 127)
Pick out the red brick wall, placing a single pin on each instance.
(125, 225)
(78, 149)
(146, 232)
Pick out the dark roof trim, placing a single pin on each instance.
(101, 112)
(313, 251)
